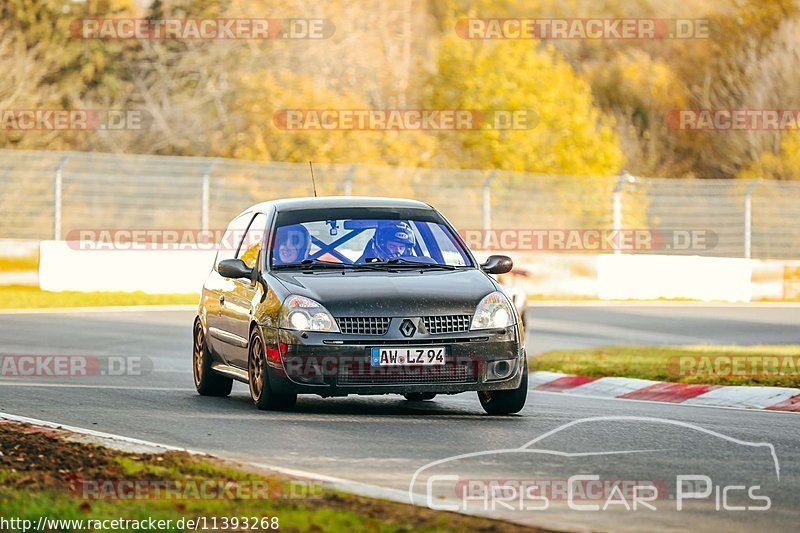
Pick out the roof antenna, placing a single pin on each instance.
(313, 182)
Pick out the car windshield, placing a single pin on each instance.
(373, 242)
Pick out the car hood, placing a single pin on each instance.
(404, 293)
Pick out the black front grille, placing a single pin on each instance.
(364, 325)
(408, 375)
(447, 323)
(412, 342)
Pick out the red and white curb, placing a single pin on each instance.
(769, 398)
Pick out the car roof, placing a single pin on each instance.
(329, 202)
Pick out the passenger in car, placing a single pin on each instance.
(292, 244)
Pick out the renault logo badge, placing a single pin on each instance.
(407, 328)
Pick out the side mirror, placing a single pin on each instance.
(498, 264)
(234, 268)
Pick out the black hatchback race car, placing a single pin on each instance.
(355, 295)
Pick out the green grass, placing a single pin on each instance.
(53, 504)
(40, 486)
(20, 297)
(663, 363)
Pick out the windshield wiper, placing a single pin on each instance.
(321, 264)
(309, 264)
(418, 264)
(382, 267)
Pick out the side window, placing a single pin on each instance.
(232, 238)
(248, 250)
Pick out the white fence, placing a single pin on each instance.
(48, 195)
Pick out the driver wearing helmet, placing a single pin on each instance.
(391, 240)
(292, 244)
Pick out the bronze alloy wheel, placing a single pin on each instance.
(197, 354)
(257, 377)
(206, 381)
(256, 367)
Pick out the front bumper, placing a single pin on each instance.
(335, 364)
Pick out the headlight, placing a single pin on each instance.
(494, 311)
(304, 314)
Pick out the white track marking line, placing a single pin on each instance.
(90, 386)
(98, 309)
(93, 433)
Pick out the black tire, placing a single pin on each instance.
(419, 396)
(506, 402)
(206, 381)
(258, 379)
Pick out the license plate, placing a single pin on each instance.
(408, 356)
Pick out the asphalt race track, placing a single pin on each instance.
(384, 440)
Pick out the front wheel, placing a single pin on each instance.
(206, 381)
(506, 402)
(258, 379)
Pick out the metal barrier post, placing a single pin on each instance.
(487, 201)
(205, 201)
(748, 218)
(348, 181)
(616, 203)
(58, 189)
